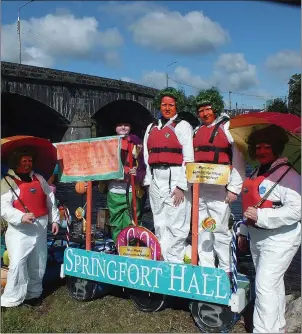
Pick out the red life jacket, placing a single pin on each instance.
(250, 192)
(125, 155)
(163, 146)
(212, 146)
(33, 197)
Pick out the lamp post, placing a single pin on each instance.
(19, 29)
(167, 78)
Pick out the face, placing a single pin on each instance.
(123, 129)
(264, 153)
(207, 114)
(168, 107)
(25, 165)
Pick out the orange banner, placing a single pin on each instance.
(90, 159)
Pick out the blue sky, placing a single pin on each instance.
(248, 48)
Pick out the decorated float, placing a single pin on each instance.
(135, 263)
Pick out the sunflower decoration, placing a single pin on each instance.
(3, 226)
(177, 94)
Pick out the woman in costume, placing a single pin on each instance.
(27, 204)
(117, 200)
(274, 226)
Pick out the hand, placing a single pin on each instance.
(230, 197)
(251, 214)
(55, 228)
(242, 243)
(28, 218)
(132, 171)
(178, 195)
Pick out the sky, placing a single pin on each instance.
(247, 48)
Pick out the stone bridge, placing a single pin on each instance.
(62, 105)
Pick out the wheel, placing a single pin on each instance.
(212, 318)
(81, 289)
(148, 301)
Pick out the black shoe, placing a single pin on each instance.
(34, 302)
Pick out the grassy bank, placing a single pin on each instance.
(114, 314)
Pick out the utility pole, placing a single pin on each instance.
(167, 77)
(230, 103)
(19, 30)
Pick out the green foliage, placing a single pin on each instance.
(278, 105)
(211, 96)
(190, 104)
(177, 94)
(3, 226)
(294, 96)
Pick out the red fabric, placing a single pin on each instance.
(125, 155)
(250, 193)
(164, 138)
(202, 138)
(33, 196)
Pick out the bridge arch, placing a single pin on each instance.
(23, 115)
(135, 113)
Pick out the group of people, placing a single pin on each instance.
(159, 168)
(274, 228)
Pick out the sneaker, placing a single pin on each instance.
(34, 302)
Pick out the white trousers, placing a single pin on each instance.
(212, 204)
(28, 258)
(272, 252)
(172, 224)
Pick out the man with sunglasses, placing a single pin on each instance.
(213, 144)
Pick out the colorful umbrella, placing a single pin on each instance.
(241, 126)
(46, 153)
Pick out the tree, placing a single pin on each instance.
(190, 104)
(278, 105)
(294, 95)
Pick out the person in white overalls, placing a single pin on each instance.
(167, 148)
(274, 227)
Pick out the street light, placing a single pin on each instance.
(19, 28)
(167, 78)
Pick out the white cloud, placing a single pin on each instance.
(233, 72)
(127, 79)
(61, 36)
(180, 77)
(184, 75)
(129, 10)
(192, 33)
(155, 79)
(285, 59)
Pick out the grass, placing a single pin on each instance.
(60, 313)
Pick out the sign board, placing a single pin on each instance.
(207, 173)
(180, 280)
(90, 159)
(132, 251)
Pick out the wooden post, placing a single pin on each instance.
(88, 215)
(195, 218)
(132, 182)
